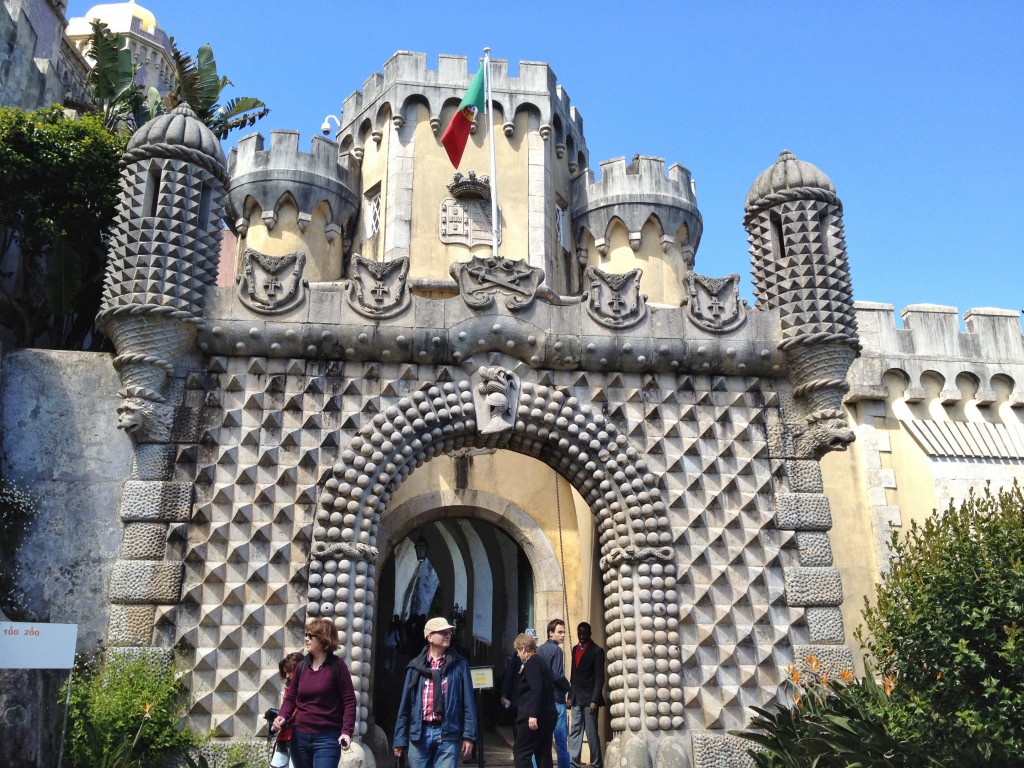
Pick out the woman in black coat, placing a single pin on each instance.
(536, 707)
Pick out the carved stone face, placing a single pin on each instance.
(131, 416)
(823, 437)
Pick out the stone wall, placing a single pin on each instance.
(60, 439)
(26, 81)
(276, 427)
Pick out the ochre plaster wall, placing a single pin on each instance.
(662, 279)
(852, 537)
(374, 169)
(323, 258)
(432, 170)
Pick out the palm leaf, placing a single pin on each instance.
(112, 79)
(185, 77)
(208, 84)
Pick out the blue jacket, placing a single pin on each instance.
(459, 719)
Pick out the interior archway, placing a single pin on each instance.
(468, 563)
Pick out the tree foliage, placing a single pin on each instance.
(119, 99)
(124, 105)
(58, 196)
(946, 626)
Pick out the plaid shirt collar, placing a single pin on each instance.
(429, 715)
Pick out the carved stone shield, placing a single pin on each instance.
(715, 303)
(480, 280)
(272, 284)
(615, 300)
(465, 221)
(378, 289)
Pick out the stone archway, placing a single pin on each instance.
(578, 442)
(502, 513)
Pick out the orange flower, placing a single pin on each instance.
(145, 710)
(938, 676)
(824, 679)
(846, 675)
(888, 683)
(813, 661)
(796, 700)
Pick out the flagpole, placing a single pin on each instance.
(488, 109)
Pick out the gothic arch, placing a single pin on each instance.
(503, 514)
(577, 441)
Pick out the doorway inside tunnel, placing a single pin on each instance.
(470, 572)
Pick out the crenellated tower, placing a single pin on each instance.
(412, 195)
(164, 250)
(282, 201)
(794, 222)
(635, 216)
(161, 262)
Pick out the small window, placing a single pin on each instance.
(562, 226)
(371, 213)
(149, 203)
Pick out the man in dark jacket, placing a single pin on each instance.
(551, 652)
(437, 711)
(585, 697)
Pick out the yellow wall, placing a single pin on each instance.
(374, 169)
(432, 170)
(662, 278)
(857, 539)
(852, 537)
(323, 258)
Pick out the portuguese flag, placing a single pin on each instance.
(456, 134)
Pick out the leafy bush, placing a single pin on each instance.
(58, 196)
(134, 700)
(830, 724)
(946, 625)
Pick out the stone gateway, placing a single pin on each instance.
(380, 412)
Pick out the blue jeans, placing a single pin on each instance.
(561, 735)
(316, 750)
(431, 751)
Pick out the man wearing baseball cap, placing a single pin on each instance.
(437, 713)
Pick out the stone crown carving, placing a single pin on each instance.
(470, 186)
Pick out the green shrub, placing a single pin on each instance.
(134, 700)
(830, 724)
(946, 626)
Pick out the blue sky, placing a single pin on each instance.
(914, 109)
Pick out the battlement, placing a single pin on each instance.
(266, 175)
(406, 75)
(632, 193)
(251, 155)
(990, 344)
(644, 176)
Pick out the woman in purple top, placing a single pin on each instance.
(322, 699)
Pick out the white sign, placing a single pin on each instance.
(37, 646)
(482, 677)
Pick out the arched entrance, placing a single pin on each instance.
(635, 538)
(487, 566)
